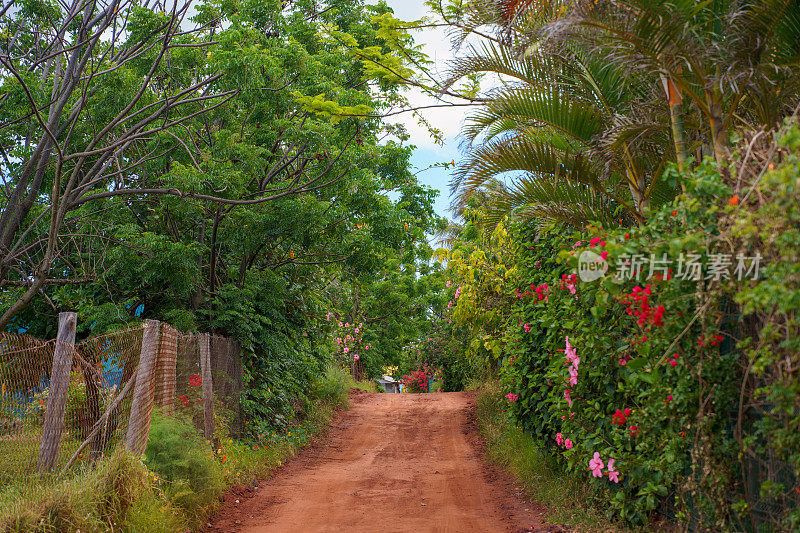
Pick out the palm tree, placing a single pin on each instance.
(597, 97)
(735, 63)
(549, 122)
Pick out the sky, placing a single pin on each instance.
(448, 120)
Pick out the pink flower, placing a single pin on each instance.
(527, 327)
(448, 284)
(568, 397)
(356, 330)
(594, 241)
(340, 324)
(569, 351)
(573, 376)
(347, 324)
(355, 356)
(450, 303)
(613, 475)
(568, 444)
(596, 465)
(623, 362)
(559, 439)
(367, 346)
(346, 350)
(604, 255)
(458, 292)
(511, 397)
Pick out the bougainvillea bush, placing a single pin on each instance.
(670, 393)
(417, 380)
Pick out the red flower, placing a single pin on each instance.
(195, 380)
(619, 418)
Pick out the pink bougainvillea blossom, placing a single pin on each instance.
(448, 284)
(573, 376)
(458, 292)
(568, 444)
(527, 327)
(568, 397)
(559, 439)
(596, 465)
(569, 351)
(511, 397)
(613, 475)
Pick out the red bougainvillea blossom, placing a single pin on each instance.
(620, 417)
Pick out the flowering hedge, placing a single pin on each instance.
(647, 384)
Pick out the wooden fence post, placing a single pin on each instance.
(204, 342)
(143, 390)
(166, 362)
(57, 397)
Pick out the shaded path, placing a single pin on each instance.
(392, 463)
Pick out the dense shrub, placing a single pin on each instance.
(416, 380)
(668, 377)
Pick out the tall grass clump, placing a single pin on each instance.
(112, 496)
(192, 478)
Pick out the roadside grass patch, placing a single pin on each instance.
(175, 486)
(539, 473)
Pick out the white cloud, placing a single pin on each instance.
(437, 45)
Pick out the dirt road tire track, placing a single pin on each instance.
(392, 463)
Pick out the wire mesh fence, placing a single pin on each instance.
(25, 367)
(228, 376)
(64, 403)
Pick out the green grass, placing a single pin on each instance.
(543, 479)
(179, 490)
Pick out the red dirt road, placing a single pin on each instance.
(392, 463)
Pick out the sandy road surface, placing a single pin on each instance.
(392, 463)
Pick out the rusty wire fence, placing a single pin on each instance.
(64, 403)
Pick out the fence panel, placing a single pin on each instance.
(228, 375)
(189, 380)
(25, 367)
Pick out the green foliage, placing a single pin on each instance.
(333, 387)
